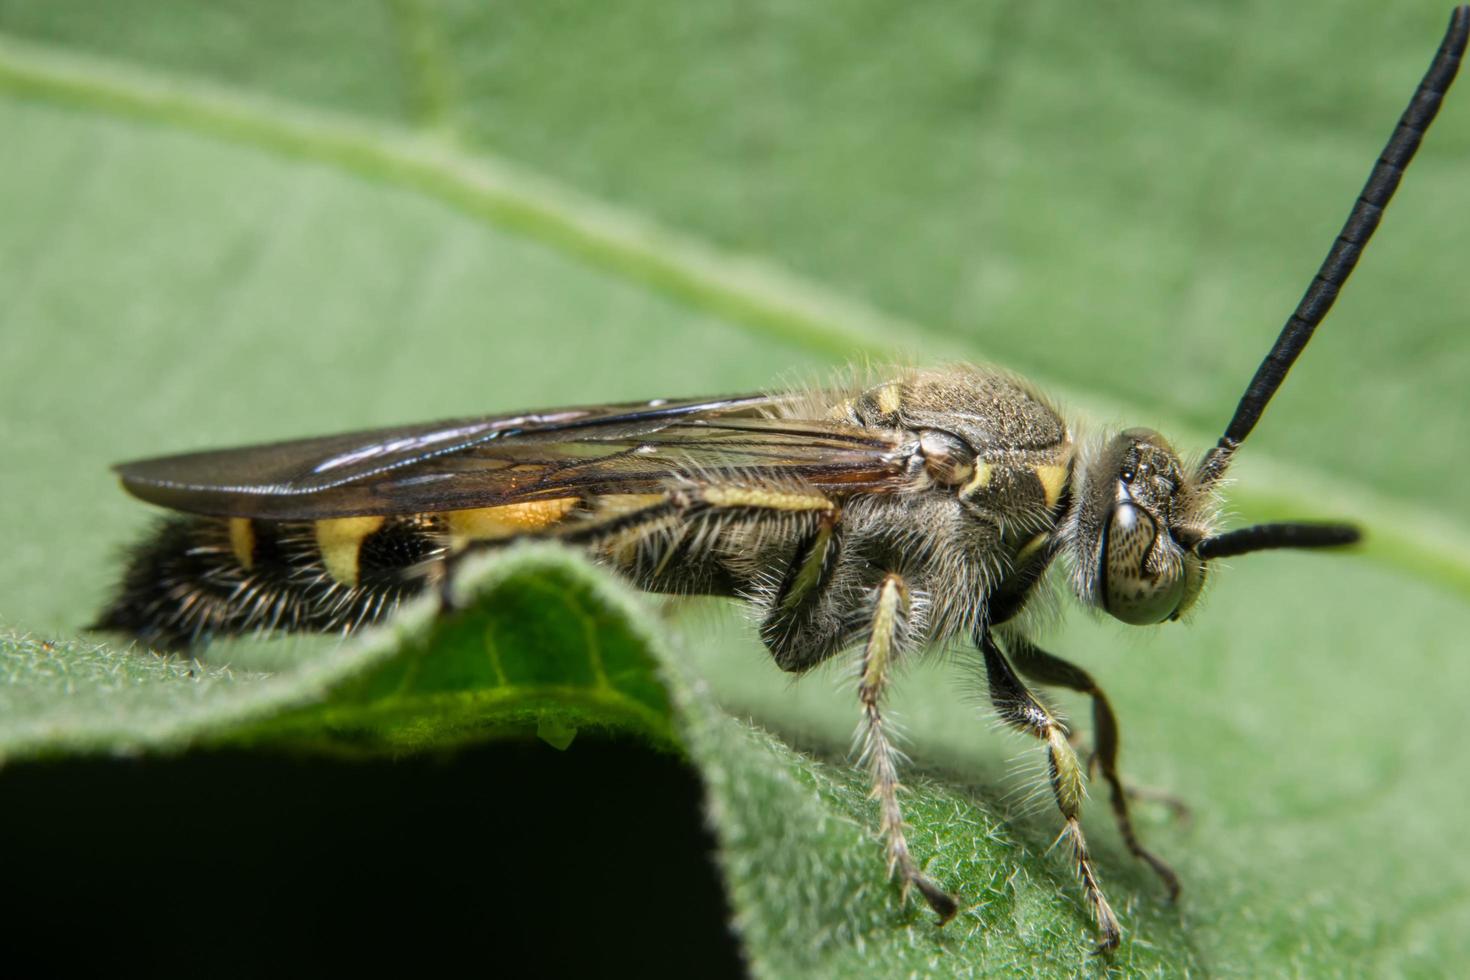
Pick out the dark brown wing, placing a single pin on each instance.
(486, 462)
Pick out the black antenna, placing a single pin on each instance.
(1345, 251)
(1261, 537)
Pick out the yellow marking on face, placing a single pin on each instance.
(890, 399)
(507, 520)
(242, 541)
(979, 481)
(1052, 478)
(339, 539)
(792, 500)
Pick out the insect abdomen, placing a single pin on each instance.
(196, 578)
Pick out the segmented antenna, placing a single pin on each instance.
(1261, 537)
(1343, 256)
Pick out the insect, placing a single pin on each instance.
(869, 521)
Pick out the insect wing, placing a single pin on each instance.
(486, 462)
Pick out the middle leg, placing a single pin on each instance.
(1020, 709)
(886, 635)
(1046, 668)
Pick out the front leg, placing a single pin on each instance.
(1047, 668)
(1021, 710)
(888, 622)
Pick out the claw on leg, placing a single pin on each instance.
(1178, 809)
(1109, 932)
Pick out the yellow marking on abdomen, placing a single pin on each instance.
(1052, 478)
(339, 540)
(788, 500)
(505, 521)
(242, 541)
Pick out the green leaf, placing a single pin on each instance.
(264, 219)
(545, 646)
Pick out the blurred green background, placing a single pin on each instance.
(252, 219)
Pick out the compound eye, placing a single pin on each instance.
(1143, 577)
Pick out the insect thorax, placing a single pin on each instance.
(985, 464)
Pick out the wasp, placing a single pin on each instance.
(870, 521)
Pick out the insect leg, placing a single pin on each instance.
(1047, 668)
(698, 505)
(647, 542)
(704, 537)
(589, 534)
(1020, 709)
(886, 634)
